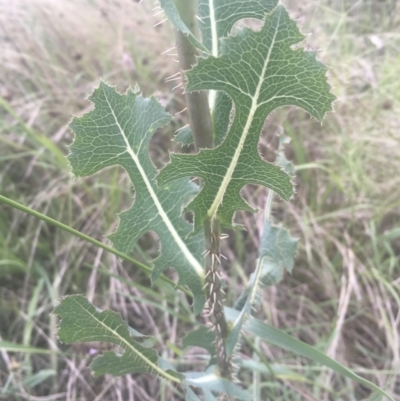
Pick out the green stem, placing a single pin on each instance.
(197, 102)
(85, 237)
(203, 137)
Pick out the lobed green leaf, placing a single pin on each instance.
(118, 132)
(81, 322)
(260, 72)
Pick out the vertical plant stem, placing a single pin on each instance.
(214, 294)
(203, 137)
(197, 102)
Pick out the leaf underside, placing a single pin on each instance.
(260, 72)
(118, 132)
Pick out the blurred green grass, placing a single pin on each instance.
(344, 295)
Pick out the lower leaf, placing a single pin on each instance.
(82, 322)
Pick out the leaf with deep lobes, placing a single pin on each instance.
(260, 72)
(118, 132)
(81, 322)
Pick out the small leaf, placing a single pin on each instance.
(260, 72)
(81, 322)
(283, 340)
(277, 252)
(118, 132)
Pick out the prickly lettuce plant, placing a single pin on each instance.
(232, 82)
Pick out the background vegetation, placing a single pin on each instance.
(344, 294)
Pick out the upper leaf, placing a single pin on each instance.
(118, 131)
(217, 18)
(81, 322)
(260, 72)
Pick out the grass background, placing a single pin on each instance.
(344, 294)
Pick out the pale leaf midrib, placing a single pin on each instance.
(214, 30)
(182, 246)
(212, 211)
(214, 49)
(130, 346)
